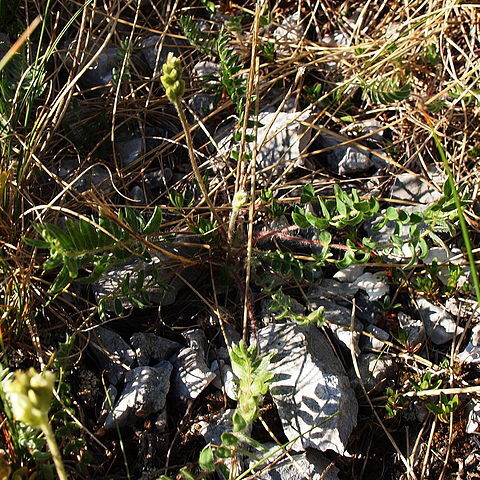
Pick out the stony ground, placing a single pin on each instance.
(345, 256)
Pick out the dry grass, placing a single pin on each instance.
(431, 45)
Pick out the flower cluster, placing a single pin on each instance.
(30, 396)
(172, 78)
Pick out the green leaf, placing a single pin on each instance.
(62, 280)
(206, 460)
(229, 439)
(186, 474)
(391, 213)
(298, 216)
(154, 223)
(308, 193)
(318, 223)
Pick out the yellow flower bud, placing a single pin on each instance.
(30, 396)
(172, 78)
(239, 200)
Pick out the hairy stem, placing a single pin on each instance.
(54, 450)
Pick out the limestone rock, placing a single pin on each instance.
(145, 393)
(439, 324)
(309, 386)
(151, 348)
(112, 353)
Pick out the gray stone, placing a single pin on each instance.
(137, 195)
(202, 103)
(414, 330)
(349, 274)
(196, 339)
(101, 71)
(345, 159)
(374, 368)
(281, 142)
(369, 343)
(327, 289)
(309, 387)
(410, 188)
(444, 257)
(86, 176)
(339, 321)
(217, 424)
(112, 353)
(205, 69)
(192, 375)
(130, 150)
(161, 422)
(150, 49)
(473, 421)
(311, 465)
(145, 393)
(159, 267)
(151, 348)
(373, 284)
(471, 354)
(439, 324)
(224, 378)
(288, 35)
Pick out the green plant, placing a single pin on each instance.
(94, 245)
(444, 408)
(396, 402)
(426, 382)
(30, 395)
(254, 377)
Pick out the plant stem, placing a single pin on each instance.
(193, 161)
(54, 450)
(461, 217)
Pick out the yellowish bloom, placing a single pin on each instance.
(172, 78)
(30, 396)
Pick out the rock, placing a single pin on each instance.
(471, 354)
(145, 393)
(374, 284)
(413, 330)
(130, 150)
(202, 103)
(137, 195)
(101, 71)
(158, 178)
(108, 403)
(309, 386)
(374, 368)
(288, 35)
(439, 324)
(224, 378)
(369, 343)
(346, 159)
(192, 375)
(349, 274)
(281, 141)
(365, 310)
(85, 176)
(160, 283)
(339, 321)
(311, 465)
(443, 257)
(161, 422)
(150, 50)
(151, 348)
(327, 289)
(112, 353)
(205, 69)
(217, 424)
(410, 188)
(473, 421)
(196, 339)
